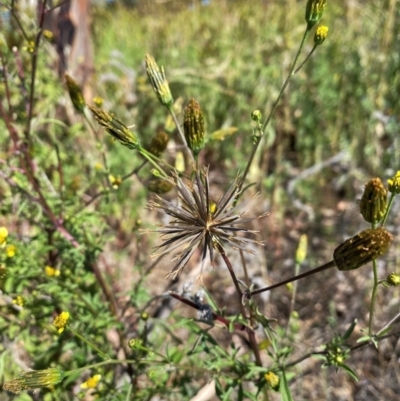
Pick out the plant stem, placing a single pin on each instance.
(392, 196)
(373, 297)
(90, 344)
(274, 107)
(289, 280)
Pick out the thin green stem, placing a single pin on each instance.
(305, 60)
(373, 297)
(392, 196)
(90, 344)
(274, 107)
(149, 157)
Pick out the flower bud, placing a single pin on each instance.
(374, 201)
(75, 93)
(393, 279)
(394, 184)
(193, 126)
(159, 186)
(320, 35)
(158, 81)
(256, 115)
(158, 143)
(314, 11)
(115, 128)
(364, 247)
(301, 251)
(34, 379)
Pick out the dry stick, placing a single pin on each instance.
(289, 280)
(252, 336)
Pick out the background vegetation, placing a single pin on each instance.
(336, 127)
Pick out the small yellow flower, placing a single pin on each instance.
(47, 34)
(272, 379)
(61, 321)
(320, 34)
(394, 184)
(98, 101)
(11, 250)
(30, 47)
(3, 235)
(51, 271)
(91, 382)
(98, 166)
(115, 181)
(19, 301)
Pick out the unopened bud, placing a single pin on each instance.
(374, 201)
(34, 379)
(158, 143)
(193, 126)
(256, 115)
(75, 93)
(115, 127)
(314, 11)
(159, 186)
(158, 81)
(364, 247)
(393, 279)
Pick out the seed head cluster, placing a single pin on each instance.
(199, 222)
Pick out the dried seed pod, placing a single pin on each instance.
(364, 247)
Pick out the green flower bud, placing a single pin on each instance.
(393, 279)
(34, 379)
(256, 115)
(158, 143)
(364, 247)
(394, 184)
(314, 11)
(193, 126)
(75, 93)
(158, 81)
(159, 186)
(374, 201)
(320, 35)
(115, 127)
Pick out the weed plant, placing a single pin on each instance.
(85, 309)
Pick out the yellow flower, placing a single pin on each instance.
(115, 181)
(61, 321)
(47, 34)
(320, 34)
(3, 235)
(51, 271)
(91, 382)
(98, 101)
(18, 301)
(394, 184)
(10, 251)
(272, 379)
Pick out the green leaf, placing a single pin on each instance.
(284, 388)
(349, 371)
